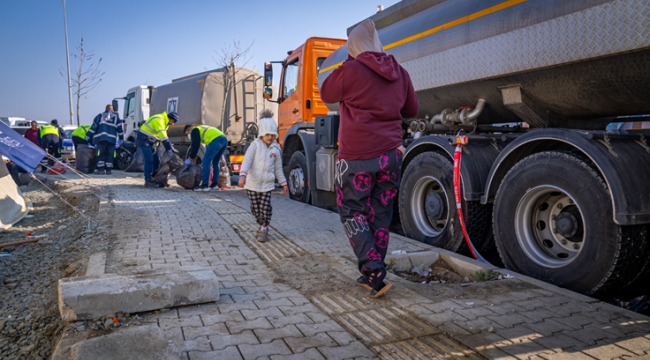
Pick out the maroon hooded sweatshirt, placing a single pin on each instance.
(374, 93)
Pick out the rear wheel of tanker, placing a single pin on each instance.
(297, 178)
(427, 207)
(553, 221)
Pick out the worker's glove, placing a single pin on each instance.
(188, 161)
(117, 145)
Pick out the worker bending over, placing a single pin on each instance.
(105, 131)
(215, 144)
(154, 130)
(48, 137)
(79, 136)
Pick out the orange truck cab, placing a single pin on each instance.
(299, 104)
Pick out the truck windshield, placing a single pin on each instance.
(290, 79)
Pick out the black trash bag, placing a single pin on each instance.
(86, 159)
(189, 176)
(639, 304)
(137, 163)
(170, 163)
(124, 155)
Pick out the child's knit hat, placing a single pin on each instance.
(267, 125)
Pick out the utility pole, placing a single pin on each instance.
(67, 56)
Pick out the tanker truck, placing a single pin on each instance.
(227, 98)
(562, 199)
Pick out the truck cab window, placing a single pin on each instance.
(290, 79)
(319, 63)
(130, 105)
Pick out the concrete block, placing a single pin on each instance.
(425, 258)
(92, 297)
(463, 265)
(401, 262)
(96, 264)
(135, 343)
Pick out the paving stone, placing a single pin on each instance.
(201, 309)
(638, 345)
(264, 304)
(478, 325)
(198, 344)
(292, 310)
(315, 328)
(575, 321)
(341, 337)
(266, 336)
(247, 305)
(132, 343)
(588, 335)
(506, 308)
(183, 322)
(300, 344)
(608, 352)
(509, 320)
(558, 342)
(279, 322)
(443, 306)
(277, 347)
(238, 326)
(355, 349)
(212, 319)
(254, 314)
(194, 332)
(547, 327)
(472, 313)
(311, 354)
(453, 329)
(230, 353)
(221, 341)
(442, 318)
(318, 316)
(248, 297)
(567, 355)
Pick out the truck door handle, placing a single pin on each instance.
(295, 111)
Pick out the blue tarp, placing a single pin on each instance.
(18, 149)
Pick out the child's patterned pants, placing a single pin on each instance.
(261, 206)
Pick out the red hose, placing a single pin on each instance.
(457, 157)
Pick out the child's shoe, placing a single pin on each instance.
(261, 234)
(364, 283)
(381, 292)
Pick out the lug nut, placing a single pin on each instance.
(559, 206)
(553, 217)
(555, 230)
(576, 246)
(563, 241)
(570, 201)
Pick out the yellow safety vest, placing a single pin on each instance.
(208, 133)
(49, 130)
(156, 126)
(81, 131)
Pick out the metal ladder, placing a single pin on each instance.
(251, 81)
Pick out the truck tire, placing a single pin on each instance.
(427, 207)
(297, 178)
(553, 221)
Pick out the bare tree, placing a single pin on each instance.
(231, 59)
(86, 74)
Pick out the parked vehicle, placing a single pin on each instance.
(20, 124)
(228, 99)
(68, 152)
(556, 198)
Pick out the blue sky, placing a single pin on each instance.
(147, 42)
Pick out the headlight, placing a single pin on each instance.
(69, 148)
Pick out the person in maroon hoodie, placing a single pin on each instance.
(374, 93)
(32, 133)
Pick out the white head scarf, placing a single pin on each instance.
(364, 38)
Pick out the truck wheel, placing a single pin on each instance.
(297, 179)
(553, 221)
(428, 210)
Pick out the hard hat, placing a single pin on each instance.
(267, 126)
(173, 116)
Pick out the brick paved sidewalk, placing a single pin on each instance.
(269, 312)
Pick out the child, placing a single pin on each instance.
(262, 165)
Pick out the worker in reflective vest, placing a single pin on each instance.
(154, 130)
(79, 136)
(215, 145)
(48, 137)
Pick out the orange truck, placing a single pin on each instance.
(299, 104)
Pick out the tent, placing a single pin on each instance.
(26, 155)
(12, 204)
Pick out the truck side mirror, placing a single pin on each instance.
(268, 74)
(115, 107)
(268, 93)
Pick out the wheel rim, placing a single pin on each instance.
(429, 206)
(297, 182)
(549, 226)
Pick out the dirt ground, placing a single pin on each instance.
(30, 324)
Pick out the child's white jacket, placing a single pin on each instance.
(262, 165)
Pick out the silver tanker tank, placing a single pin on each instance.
(551, 63)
